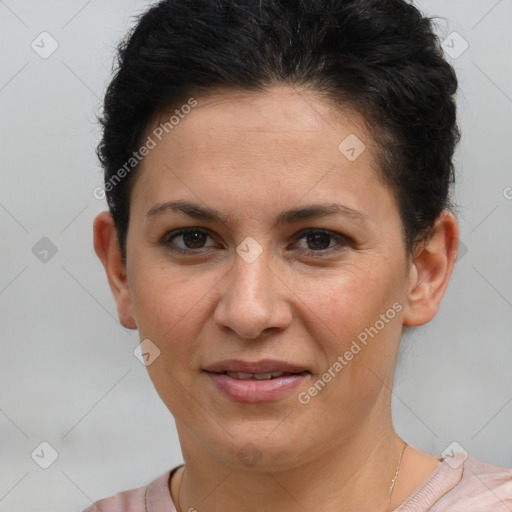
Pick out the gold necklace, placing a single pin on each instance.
(391, 487)
(178, 506)
(396, 476)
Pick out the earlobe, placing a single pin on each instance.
(107, 250)
(431, 271)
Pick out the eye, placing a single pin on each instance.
(320, 241)
(191, 240)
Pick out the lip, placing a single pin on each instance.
(262, 366)
(252, 390)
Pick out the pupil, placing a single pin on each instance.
(317, 238)
(194, 238)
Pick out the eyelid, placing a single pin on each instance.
(180, 231)
(342, 240)
(176, 233)
(307, 231)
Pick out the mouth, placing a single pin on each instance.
(259, 376)
(255, 382)
(264, 367)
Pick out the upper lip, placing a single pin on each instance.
(262, 366)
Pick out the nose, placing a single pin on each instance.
(253, 299)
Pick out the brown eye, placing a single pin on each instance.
(194, 239)
(320, 241)
(186, 240)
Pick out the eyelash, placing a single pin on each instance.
(343, 241)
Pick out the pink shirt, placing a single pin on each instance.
(456, 485)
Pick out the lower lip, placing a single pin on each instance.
(256, 391)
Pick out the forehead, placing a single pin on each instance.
(278, 111)
(284, 142)
(243, 119)
(273, 108)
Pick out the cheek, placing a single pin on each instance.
(166, 302)
(357, 347)
(170, 310)
(343, 299)
(346, 307)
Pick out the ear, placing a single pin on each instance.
(431, 270)
(107, 249)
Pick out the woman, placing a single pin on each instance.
(278, 178)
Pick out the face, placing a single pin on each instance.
(292, 255)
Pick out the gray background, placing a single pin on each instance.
(68, 375)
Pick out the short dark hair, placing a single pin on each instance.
(380, 57)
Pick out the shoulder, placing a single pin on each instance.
(131, 500)
(153, 497)
(482, 487)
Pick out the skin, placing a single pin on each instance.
(251, 156)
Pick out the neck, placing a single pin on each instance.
(354, 474)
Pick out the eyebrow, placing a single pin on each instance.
(286, 217)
